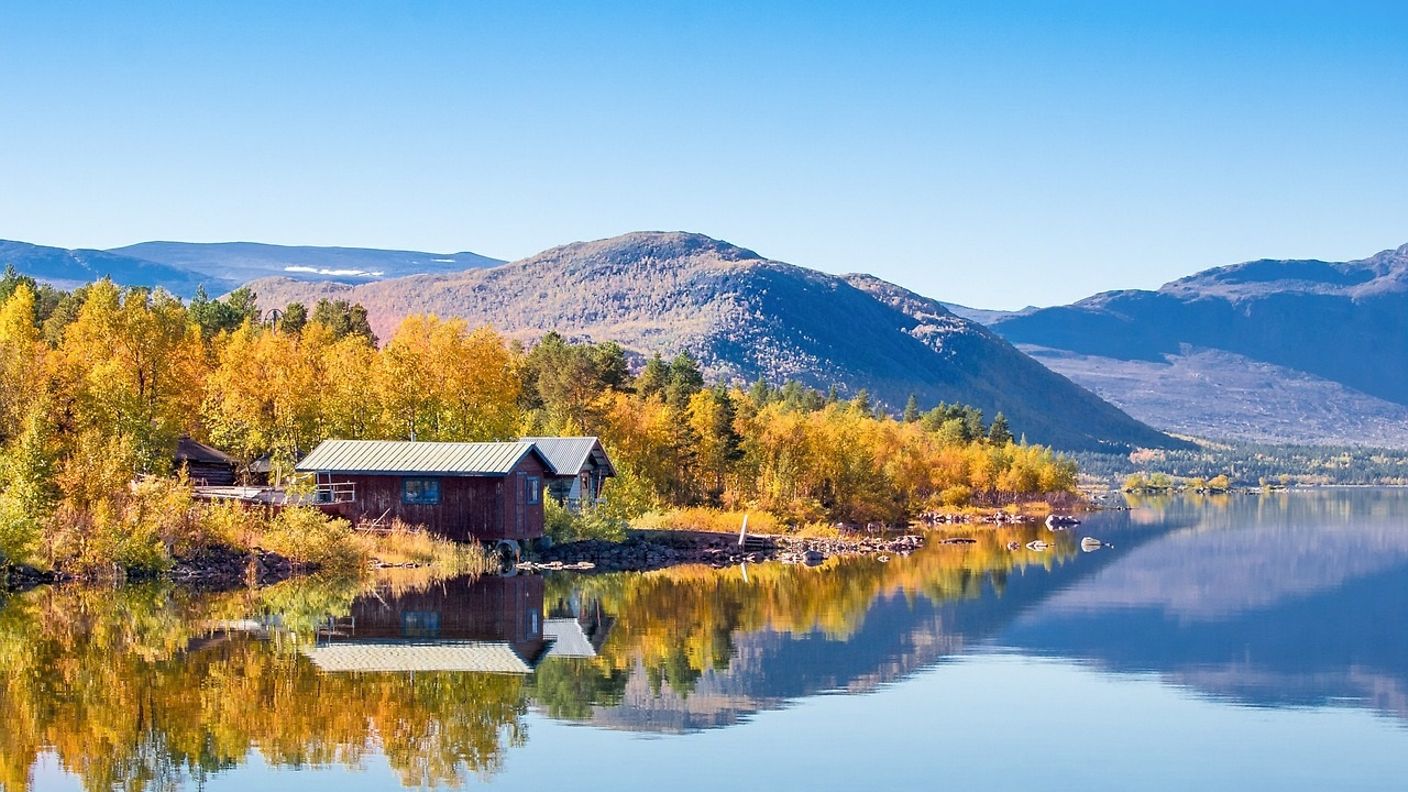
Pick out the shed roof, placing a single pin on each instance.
(413, 457)
(568, 455)
(493, 657)
(188, 450)
(568, 638)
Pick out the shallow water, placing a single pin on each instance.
(1221, 643)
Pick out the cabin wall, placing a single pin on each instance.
(470, 508)
(487, 609)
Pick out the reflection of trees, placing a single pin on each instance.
(677, 623)
(130, 691)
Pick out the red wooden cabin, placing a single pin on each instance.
(464, 491)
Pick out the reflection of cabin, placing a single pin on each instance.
(490, 625)
(579, 468)
(466, 491)
(204, 465)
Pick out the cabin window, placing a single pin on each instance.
(420, 491)
(533, 491)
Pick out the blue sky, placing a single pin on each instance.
(996, 154)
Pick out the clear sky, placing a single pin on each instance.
(995, 154)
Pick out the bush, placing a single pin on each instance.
(305, 535)
(957, 496)
(563, 525)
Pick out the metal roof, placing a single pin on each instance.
(568, 638)
(412, 457)
(568, 455)
(493, 657)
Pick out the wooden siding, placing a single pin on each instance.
(470, 507)
(487, 609)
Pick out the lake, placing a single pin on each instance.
(1219, 643)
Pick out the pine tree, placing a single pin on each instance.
(999, 434)
(911, 409)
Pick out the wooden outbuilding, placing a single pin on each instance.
(205, 466)
(464, 491)
(580, 468)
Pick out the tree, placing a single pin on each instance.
(999, 434)
(22, 359)
(343, 319)
(223, 316)
(295, 316)
(911, 409)
(685, 380)
(654, 378)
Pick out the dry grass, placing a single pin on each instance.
(702, 519)
(407, 545)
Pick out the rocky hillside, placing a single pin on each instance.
(745, 316)
(1289, 351)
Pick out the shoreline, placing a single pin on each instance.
(646, 550)
(213, 569)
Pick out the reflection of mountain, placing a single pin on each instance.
(1279, 600)
(1276, 601)
(898, 635)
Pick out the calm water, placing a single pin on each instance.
(1250, 641)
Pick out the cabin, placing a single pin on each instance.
(462, 491)
(205, 466)
(579, 469)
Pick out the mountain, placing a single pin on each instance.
(180, 267)
(71, 268)
(1287, 351)
(745, 316)
(242, 261)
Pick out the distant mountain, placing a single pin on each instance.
(180, 267)
(745, 316)
(71, 268)
(242, 261)
(1286, 351)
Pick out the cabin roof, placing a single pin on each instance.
(568, 639)
(493, 657)
(391, 457)
(568, 455)
(188, 450)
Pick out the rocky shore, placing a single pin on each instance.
(212, 569)
(659, 549)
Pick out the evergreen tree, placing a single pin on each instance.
(999, 434)
(911, 409)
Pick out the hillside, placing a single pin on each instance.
(70, 268)
(745, 316)
(180, 267)
(1290, 351)
(242, 261)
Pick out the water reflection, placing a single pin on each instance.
(1287, 599)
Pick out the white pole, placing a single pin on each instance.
(743, 532)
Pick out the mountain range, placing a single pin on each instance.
(182, 267)
(744, 317)
(1299, 351)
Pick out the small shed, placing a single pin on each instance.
(206, 466)
(463, 491)
(579, 468)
